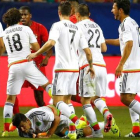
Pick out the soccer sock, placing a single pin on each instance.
(16, 107)
(101, 105)
(7, 115)
(91, 116)
(64, 109)
(101, 125)
(48, 87)
(71, 108)
(135, 106)
(72, 128)
(135, 121)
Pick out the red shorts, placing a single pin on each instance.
(26, 84)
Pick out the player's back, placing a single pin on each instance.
(95, 38)
(17, 39)
(129, 30)
(66, 45)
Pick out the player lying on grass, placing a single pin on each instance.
(48, 119)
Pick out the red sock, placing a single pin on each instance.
(16, 107)
(135, 129)
(6, 126)
(73, 118)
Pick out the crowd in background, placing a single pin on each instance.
(51, 1)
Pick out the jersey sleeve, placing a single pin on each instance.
(126, 33)
(44, 33)
(54, 32)
(1, 30)
(32, 38)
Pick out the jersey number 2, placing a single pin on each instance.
(16, 42)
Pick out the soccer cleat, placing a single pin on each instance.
(5, 134)
(50, 92)
(81, 124)
(72, 135)
(108, 122)
(12, 127)
(131, 134)
(79, 133)
(97, 134)
(83, 118)
(115, 129)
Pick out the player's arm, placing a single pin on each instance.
(35, 46)
(103, 47)
(53, 126)
(47, 46)
(114, 42)
(126, 53)
(89, 59)
(2, 46)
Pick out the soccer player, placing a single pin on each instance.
(128, 69)
(96, 43)
(67, 38)
(41, 34)
(17, 40)
(1, 46)
(45, 121)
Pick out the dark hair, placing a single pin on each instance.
(11, 17)
(83, 10)
(18, 118)
(65, 8)
(25, 8)
(124, 4)
(74, 1)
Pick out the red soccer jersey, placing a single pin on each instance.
(41, 34)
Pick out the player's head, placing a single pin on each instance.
(74, 4)
(11, 17)
(25, 15)
(120, 8)
(21, 122)
(64, 9)
(82, 11)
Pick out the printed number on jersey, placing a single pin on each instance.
(16, 42)
(73, 35)
(94, 39)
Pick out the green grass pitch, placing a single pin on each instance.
(121, 115)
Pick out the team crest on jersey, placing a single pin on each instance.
(38, 123)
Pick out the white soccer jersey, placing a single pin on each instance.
(95, 38)
(68, 38)
(1, 30)
(129, 31)
(17, 39)
(41, 119)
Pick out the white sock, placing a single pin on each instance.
(48, 87)
(134, 116)
(135, 106)
(101, 105)
(64, 108)
(90, 113)
(101, 125)
(71, 108)
(8, 112)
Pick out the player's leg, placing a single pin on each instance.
(14, 85)
(129, 84)
(86, 92)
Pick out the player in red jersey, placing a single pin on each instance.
(41, 34)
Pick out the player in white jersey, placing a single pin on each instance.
(128, 68)
(2, 48)
(45, 121)
(17, 40)
(67, 38)
(93, 88)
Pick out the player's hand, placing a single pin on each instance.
(92, 72)
(44, 62)
(31, 56)
(118, 72)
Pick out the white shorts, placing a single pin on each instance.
(18, 73)
(130, 83)
(64, 83)
(93, 87)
